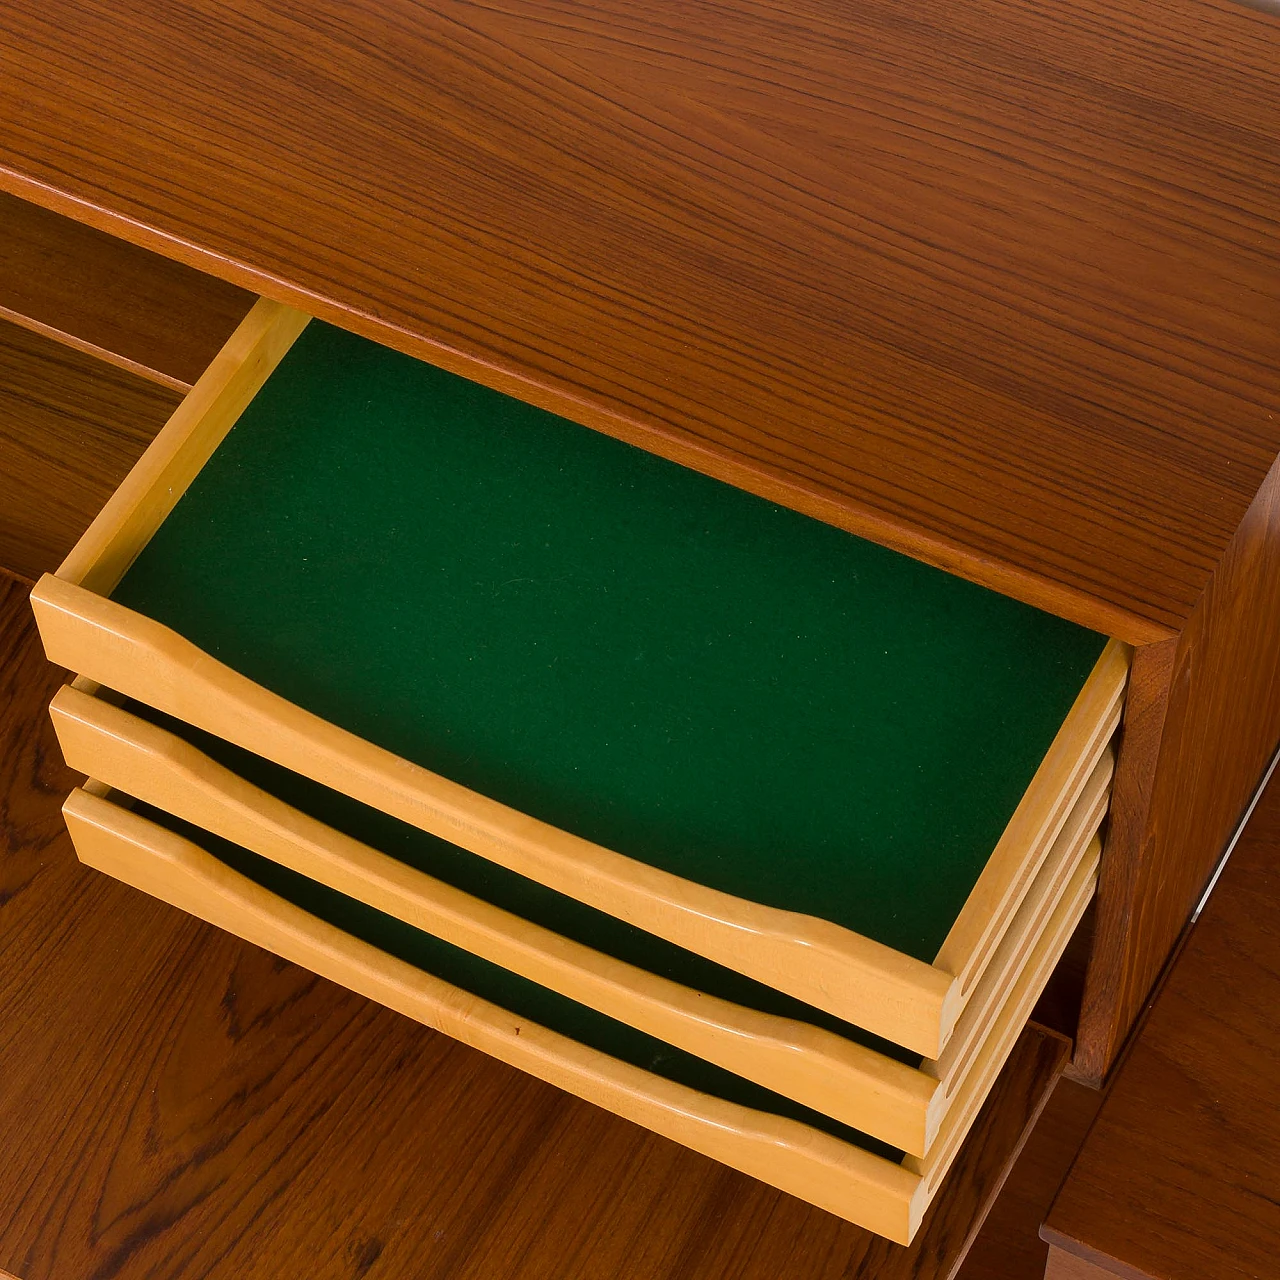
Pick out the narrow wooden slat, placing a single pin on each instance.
(70, 429)
(205, 415)
(110, 299)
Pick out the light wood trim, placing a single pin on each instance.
(863, 1188)
(1028, 927)
(855, 978)
(1008, 1026)
(186, 442)
(1089, 727)
(835, 1076)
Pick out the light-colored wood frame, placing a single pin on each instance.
(187, 441)
(853, 977)
(889, 1199)
(899, 1104)
(1008, 1026)
(1034, 915)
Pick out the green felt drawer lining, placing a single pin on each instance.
(624, 648)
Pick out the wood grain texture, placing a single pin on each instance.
(1220, 729)
(177, 1102)
(70, 429)
(1180, 1176)
(973, 281)
(841, 1177)
(1009, 1246)
(108, 298)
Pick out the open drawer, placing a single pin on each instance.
(560, 1041)
(631, 976)
(800, 755)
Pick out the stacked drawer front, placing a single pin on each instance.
(750, 831)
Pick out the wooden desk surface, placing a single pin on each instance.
(997, 283)
(1180, 1176)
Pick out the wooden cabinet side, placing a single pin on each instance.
(1202, 724)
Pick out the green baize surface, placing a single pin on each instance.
(649, 658)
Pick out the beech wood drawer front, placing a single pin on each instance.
(799, 755)
(701, 1008)
(674, 1094)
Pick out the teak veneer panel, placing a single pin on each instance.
(996, 283)
(178, 1102)
(71, 427)
(1179, 1178)
(111, 299)
(1217, 722)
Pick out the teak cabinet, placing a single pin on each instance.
(1012, 314)
(1068, 396)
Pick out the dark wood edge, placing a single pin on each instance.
(1113, 1266)
(1127, 837)
(1025, 585)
